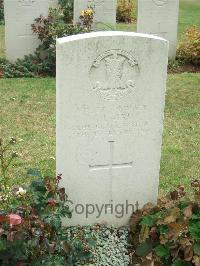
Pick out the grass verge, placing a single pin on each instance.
(28, 112)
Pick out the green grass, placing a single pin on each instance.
(126, 27)
(2, 45)
(28, 112)
(189, 14)
(181, 147)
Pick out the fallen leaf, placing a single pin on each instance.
(176, 230)
(188, 212)
(173, 215)
(188, 253)
(196, 260)
(174, 195)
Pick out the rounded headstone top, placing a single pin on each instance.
(106, 34)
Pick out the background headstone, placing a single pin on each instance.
(110, 105)
(105, 11)
(19, 15)
(159, 17)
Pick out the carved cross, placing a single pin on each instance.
(160, 33)
(111, 165)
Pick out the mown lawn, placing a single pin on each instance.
(181, 147)
(189, 14)
(28, 113)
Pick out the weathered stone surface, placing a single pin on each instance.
(105, 11)
(19, 15)
(110, 104)
(159, 17)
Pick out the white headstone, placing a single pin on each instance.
(159, 17)
(110, 104)
(105, 11)
(19, 16)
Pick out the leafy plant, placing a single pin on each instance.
(1, 11)
(125, 9)
(7, 155)
(169, 233)
(26, 68)
(86, 19)
(31, 231)
(68, 8)
(174, 65)
(189, 49)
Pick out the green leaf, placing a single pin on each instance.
(38, 185)
(196, 248)
(196, 216)
(148, 220)
(163, 229)
(162, 251)
(151, 219)
(144, 249)
(183, 204)
(34, 173)
(194, 229)
(2, 245)
(181, 263)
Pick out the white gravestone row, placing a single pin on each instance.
(105, 10)
(19, 15)
(159, 17)
(110, 105)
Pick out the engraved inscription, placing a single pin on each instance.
(160, 2)
(122, 121)
(26, 2)
(114, 73)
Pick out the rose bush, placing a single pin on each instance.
(31, 231)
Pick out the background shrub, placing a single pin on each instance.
(68, 7)
(125, 10)
(1, 12)
(189, 48)
(59, 23)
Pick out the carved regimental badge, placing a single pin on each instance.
(113, 74)
(160, 2)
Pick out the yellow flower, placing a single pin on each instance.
(87, 12)
(82, 13)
